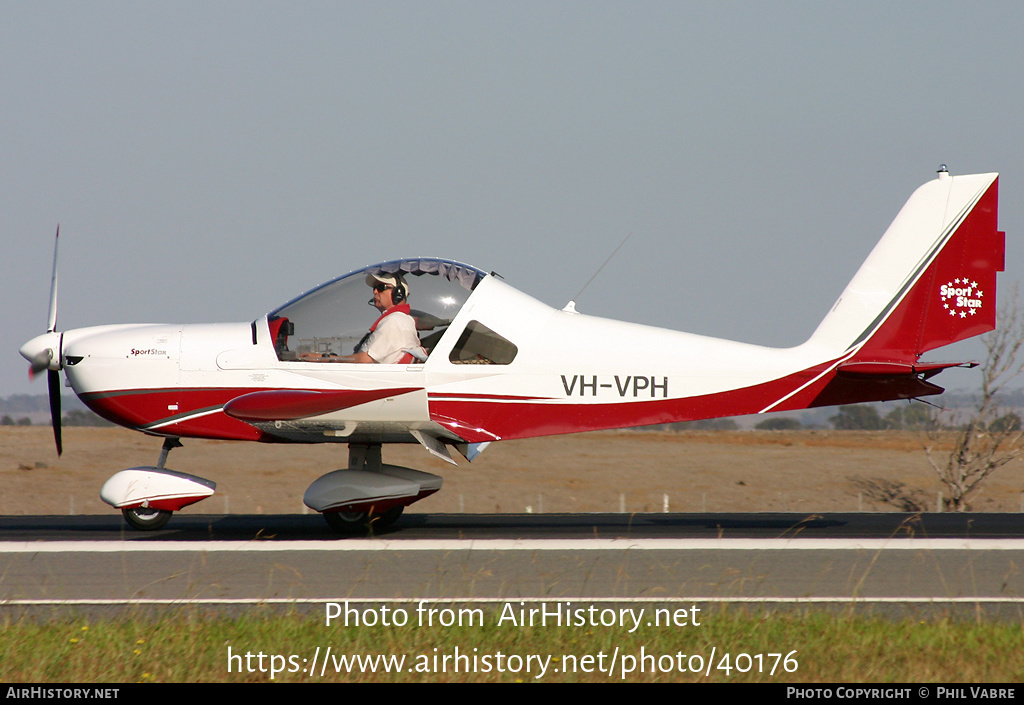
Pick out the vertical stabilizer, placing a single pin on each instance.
(929, 282)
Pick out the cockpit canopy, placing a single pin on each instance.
(334, 317)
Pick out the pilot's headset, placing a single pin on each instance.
(400, 292)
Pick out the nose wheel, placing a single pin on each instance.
(135, 490)
(146, 518)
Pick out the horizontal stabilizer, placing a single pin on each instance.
(923, 369)
(864, 381)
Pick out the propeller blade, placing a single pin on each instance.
(44, 353)
(51, 325)
(53, 382)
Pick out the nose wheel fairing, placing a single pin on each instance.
(155, 488)
(148, 496)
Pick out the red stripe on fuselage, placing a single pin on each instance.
(487, 417)
(192, 413)
(171, 412)
(199, 412)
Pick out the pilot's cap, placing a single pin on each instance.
(392, 280)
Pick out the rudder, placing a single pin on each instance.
(930, 281)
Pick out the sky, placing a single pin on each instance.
(208, 161)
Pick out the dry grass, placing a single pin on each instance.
(806, 471)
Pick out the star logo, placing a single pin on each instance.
(961, 297)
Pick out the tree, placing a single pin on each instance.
(782, 423)
(1006, 422)
(81, 417)
(857, 417)
(990, 438)
(911, 417)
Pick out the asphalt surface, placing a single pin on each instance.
(419, 527)
(930, 560)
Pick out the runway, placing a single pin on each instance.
(928, 560)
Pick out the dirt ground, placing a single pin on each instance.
(631, 471)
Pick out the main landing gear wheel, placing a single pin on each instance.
(389, 517)
(360, 522)
(146, 518)
(346, 522)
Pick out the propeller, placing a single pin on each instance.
(39, 362)
(53, 385)
(44, 353)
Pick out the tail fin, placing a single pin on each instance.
(929, 282)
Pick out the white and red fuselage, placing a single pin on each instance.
(503, 365)
(929, 282)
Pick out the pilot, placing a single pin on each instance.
(392, 338)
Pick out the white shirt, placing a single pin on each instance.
(395, 333)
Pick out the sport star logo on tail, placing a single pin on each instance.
(965, 295)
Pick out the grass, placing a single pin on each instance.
(189, 645)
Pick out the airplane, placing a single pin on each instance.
(501, 365)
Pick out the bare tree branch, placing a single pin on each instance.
(988, 439)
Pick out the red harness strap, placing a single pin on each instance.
(400, 308)
(407, 358)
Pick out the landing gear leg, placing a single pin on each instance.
(169, 445)
(364, 456)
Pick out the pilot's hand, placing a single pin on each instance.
(315, 356)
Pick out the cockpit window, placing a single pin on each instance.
(479, 345)
(333, 318)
